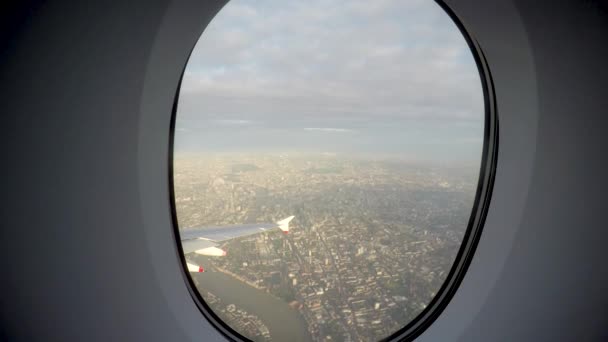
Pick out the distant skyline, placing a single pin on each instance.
(370, 77)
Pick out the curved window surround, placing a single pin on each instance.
(366, 122)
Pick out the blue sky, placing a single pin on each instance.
(388, 77)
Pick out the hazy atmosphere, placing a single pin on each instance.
(360, 124)
(391, 78)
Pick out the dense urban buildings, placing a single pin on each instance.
(372, 241)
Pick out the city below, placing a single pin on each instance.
(371, 244)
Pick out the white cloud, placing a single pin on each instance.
(329, 129)
(358, 57)
(233, 122)
(324, 65)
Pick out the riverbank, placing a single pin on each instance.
(284, 321)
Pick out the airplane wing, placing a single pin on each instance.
(204, 240)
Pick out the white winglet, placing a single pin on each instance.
(211, 251)
(192, 268)
(284, 224)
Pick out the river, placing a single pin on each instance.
(284, 322)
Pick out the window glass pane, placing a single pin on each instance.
(364, 120)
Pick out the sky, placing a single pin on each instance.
(382, 77)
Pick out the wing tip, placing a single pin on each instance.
(284, 223)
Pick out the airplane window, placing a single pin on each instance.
(326, 165)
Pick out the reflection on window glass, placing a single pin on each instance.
(326, 163)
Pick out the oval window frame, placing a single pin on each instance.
(487, 172)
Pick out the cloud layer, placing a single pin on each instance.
(319, 65)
